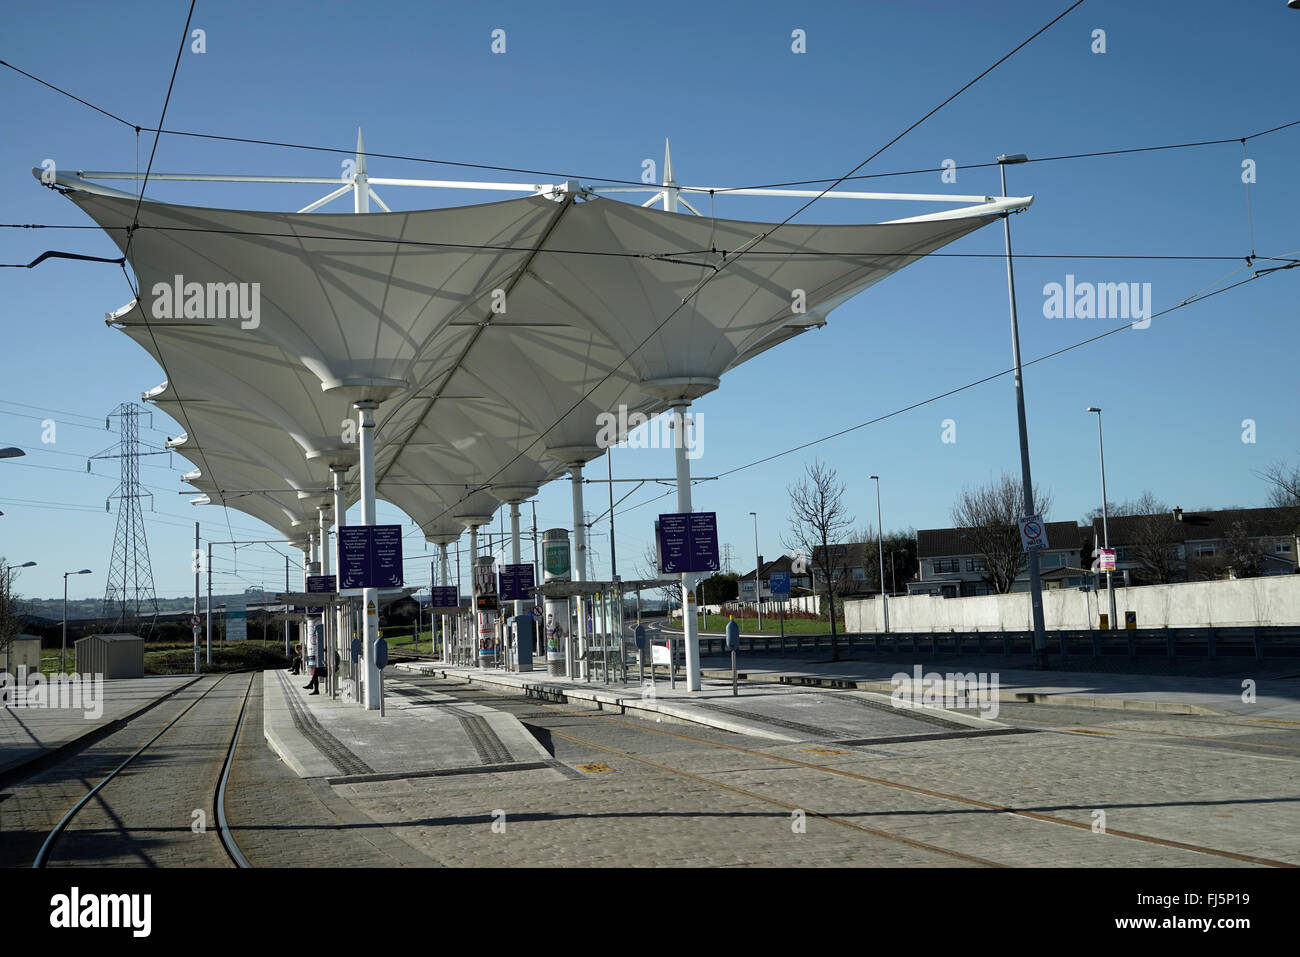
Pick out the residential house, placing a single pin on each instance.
(1204, 544)
(951, 567)
(798, 580)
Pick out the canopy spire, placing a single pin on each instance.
(361, 182)
(670, 192)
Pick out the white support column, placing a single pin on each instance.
(442, 580)
(690, 624)
(580, 568)
(370, 596)
(343, 634)
(514, 547)
(327, 636)
(473, 597)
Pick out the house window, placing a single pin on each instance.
(1051, 561)
(945, 565)
(1282, 548)
(1205, 549)
(859, 574)
(976, 565)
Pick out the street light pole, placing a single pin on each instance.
(63, 653)
(880, 537)
(758, 589)
(1035, 581)
(1105, 521)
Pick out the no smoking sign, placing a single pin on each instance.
(1033, 533)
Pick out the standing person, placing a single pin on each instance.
(315, 657)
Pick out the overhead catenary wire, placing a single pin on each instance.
(733, 257)
(1040, 160)
(989, 378)
(171, 85)
(560, 175)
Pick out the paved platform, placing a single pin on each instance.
(31, 733)
(1275, 686)
(786, 713)
(420, 733)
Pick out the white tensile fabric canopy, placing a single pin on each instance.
(491, 335)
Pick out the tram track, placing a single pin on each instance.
(959, 800)
(158, 818)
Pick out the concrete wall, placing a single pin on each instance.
(1249, 601)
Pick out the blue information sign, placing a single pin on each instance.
(370, 556)
(444, 596)
(319, 583)
(688, 542)
(515, 581)
(779, 584)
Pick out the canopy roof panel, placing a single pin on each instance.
(492, 335)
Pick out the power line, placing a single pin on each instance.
(729, 259)
(989, 378)
(184, 416)
(552, 174)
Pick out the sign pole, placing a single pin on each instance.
(197, 554)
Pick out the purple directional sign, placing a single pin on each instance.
(370, 556)
(688, 542)
(515, 582)
(673, 544)
(354, 544)
(703, 527)
(386, 552)
(319, 583)
(444, 596)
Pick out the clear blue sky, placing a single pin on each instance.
(592, 90)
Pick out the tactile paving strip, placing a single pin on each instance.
(335, 750)
(490, 748)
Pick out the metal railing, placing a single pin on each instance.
(1254, 642)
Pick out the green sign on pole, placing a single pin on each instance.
(555, 558)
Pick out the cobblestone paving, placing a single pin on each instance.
(639, 793)
(281, 820)
(639, 814)
(30, 808)
(161, 810)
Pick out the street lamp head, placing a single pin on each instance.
(27, 565)
(1293, 4)
(874, 477)
(10, 452)
(85, 571)
(1092, 408)
(1007, 159)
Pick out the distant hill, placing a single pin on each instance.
(87, 609)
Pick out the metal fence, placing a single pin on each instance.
(1240, 642)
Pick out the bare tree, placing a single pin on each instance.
(1284, 491)
(818, 521)
(11, 613)
(989, 516)
(1245, 552)
(1285, 482)
(1156, 538)
(671, 589)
